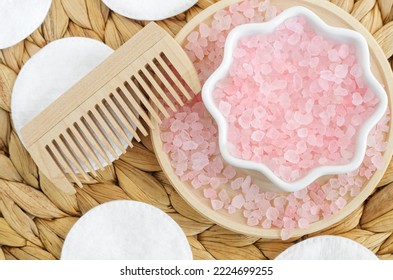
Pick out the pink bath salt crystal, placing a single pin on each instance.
(301, 194)
(266, 224)
(278, 223)
(216, 165)
(293, 39)
(302, 132)
(279, 202)
(217, 204)
(303, 119)
(167, 136)
(378, 161)
(286, 234)
(176, 125)
(334, 208)
(239, 52)
(265, 69)
(225, 108)
(284, 172)
(231, 209)
(204, 30)
(301, 147)
(357, 99)
(249, 13)
(272, 213)
(343, 51)
(303, 223)
(215, 182)
(223, 196)
(189, 145)
(199, 161)
(252, 221)
(245, 119)
(354, 191)
(196, 183)
(205, 180)
(327, 75)
(291, 156)
(237, 183)
(290, 211)
(288, 223)
(246, 184)
(229, 172)
(273, 133)
(333, 55)
(333, 146)
(340, 91)
(340, 202)
(193, 37)
(341, 71)
(210, 193)
(259, 112)
(297, 82)
(368, 96)
(167, 147)
(257, 135)
(238, 201)
(356, 71)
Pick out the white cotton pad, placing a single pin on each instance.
(149, 9)
(126, 230)
(50, 73)
(19, 18)
(327, 247)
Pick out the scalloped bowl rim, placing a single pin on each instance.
(335, 33)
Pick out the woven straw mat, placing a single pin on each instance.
(35, 217)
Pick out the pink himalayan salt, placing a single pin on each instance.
(309, 205)
(267, 125)
(217, 204)
(238, 201)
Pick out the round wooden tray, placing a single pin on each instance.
(334, 16)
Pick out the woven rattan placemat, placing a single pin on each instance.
(35, 217)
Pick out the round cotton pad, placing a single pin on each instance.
(126, 230)
(50, 73)
(149, 9)
(327, 247)
(19, 18)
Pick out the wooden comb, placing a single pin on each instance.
(91, 122)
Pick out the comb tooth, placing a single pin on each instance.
(121, 90)
(71, 157)
(109, 131)
(78, 151)
(64, 163)
(158, 88)
(55, 172)
(115, 124)
(86, 132)
(86, 146)
(142, 98)
(124, 120)
(101, 136)
(151, 95)
(167, 84)
(173, 77)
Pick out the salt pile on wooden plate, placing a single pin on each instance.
(294, 100)
(190, 138)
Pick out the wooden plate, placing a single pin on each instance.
(334, 16)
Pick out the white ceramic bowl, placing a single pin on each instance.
(260, 172)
